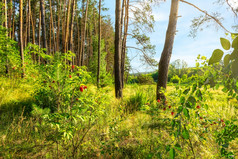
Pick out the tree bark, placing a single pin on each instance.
(123, 58)
(67, 27)
(29, 22)
(167, 51)
(10, 19)
(72, 27)
(39, 34)
(99, 44)
(58, 27)
(84, 31)
(42, 6)
(21, 37)
(117, 56)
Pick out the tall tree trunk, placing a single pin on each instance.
(84, 31)
(72, 26)
(67, 27)
(29, 21)
(21, 38)
(42, 6)
(33, 22)
(10, 19)
(123, 58)
(81, 34)
(78, 55)
(167, 51)
(99, 44)
(63, 25)
(58, 27)
(117, 56)
(5, 25)
(13, 22)
(39, 35)
(5, 14)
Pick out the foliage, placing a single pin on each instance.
(175, 79)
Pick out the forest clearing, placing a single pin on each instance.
(68, 86)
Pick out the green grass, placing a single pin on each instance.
(124, 131)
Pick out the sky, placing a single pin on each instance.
(185, 48)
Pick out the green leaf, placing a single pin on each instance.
(194, 87)
(216, 56)
(234, 68)
(178, 147)
(226, 60)
(172, 153)
(180, 109)
(235, 43)
(192, 100)
(182, 100)
(225, 43)
(186, 91)
(199, 94)
(234, 55)
(186, 113)
(226, 145)
(185, 134)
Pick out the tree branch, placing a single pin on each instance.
(231, 8)
(205, 12)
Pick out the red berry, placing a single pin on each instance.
(13, 68)
(201, 118)
(198, 107)
(214, 123)
(53, 81)
(164, 109)
(81, 89)
(223, 124)
(172, 113)
(158, 101)
(70, 76)
(222, 120)
(50, 86)
(85, 87)
(73, 66)
(169, 106)
(77, 99)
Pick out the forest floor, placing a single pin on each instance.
(126, 130)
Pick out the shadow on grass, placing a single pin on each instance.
(12, 110)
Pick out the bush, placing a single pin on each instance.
(175, 79)
(145, 79)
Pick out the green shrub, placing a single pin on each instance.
(145, 79)
(175, 79)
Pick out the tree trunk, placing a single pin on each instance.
(84, 31)
(10, 19)
(5, 25)
(39, 35)
(29, 22)
(21, 38)
(72, 27)
(13, 22)
(58, 27)
(42, 6)
(167, 51)
(99, 44)
(117, 56)
(67, 27)
(123, 58)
